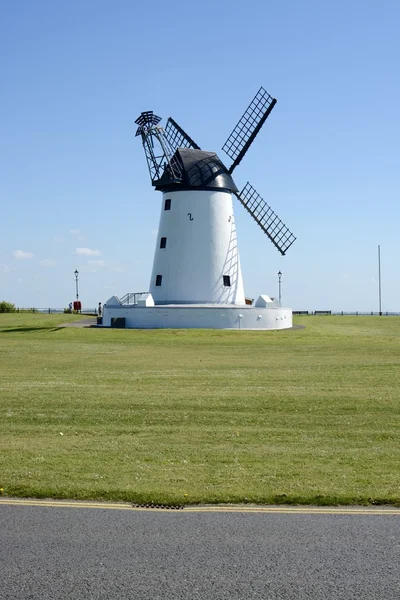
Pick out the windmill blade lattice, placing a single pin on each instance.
(145, 121)
(156, 148)
(177, 137)
(266, 218)
(248, 126)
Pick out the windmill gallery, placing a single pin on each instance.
(196, 279)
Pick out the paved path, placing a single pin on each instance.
(87, 553)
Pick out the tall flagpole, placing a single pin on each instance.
(380, 284)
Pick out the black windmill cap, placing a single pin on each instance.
(199, 170)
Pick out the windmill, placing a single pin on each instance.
(196, 260)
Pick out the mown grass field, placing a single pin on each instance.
(189, 416)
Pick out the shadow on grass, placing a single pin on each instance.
(28, 329)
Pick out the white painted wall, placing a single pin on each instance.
(201, 247)
(203, 317)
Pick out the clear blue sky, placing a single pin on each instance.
(75, 76)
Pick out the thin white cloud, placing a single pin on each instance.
(22, 255)
(5, 268)
(117, 268)
(78, 234)
(87, 252)
(47, 262)
(97, 263)
(58, 238)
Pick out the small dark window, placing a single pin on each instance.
(227, 280)
(163, 243)
(158, 280)
(167, 205)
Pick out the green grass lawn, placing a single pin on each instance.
(187, 416)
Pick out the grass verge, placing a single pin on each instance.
(190, 416)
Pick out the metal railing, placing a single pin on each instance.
(55, 311)
(343, 313)
(131, 298)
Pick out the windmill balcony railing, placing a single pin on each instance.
(131, 299)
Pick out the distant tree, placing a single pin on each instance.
(7, 307)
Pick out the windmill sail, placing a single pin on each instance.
(177, 137)
(156, 148)
(270, 223)
(248, 126)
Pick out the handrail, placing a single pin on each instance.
(131, 296)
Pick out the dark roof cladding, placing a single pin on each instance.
(199, 170)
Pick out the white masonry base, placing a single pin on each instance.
(198, 316)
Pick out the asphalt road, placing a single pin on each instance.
(91, 553)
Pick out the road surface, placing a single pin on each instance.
(76, 552)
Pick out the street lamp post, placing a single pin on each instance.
(76, 273)
(280, 286)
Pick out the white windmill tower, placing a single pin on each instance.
(196, 261)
